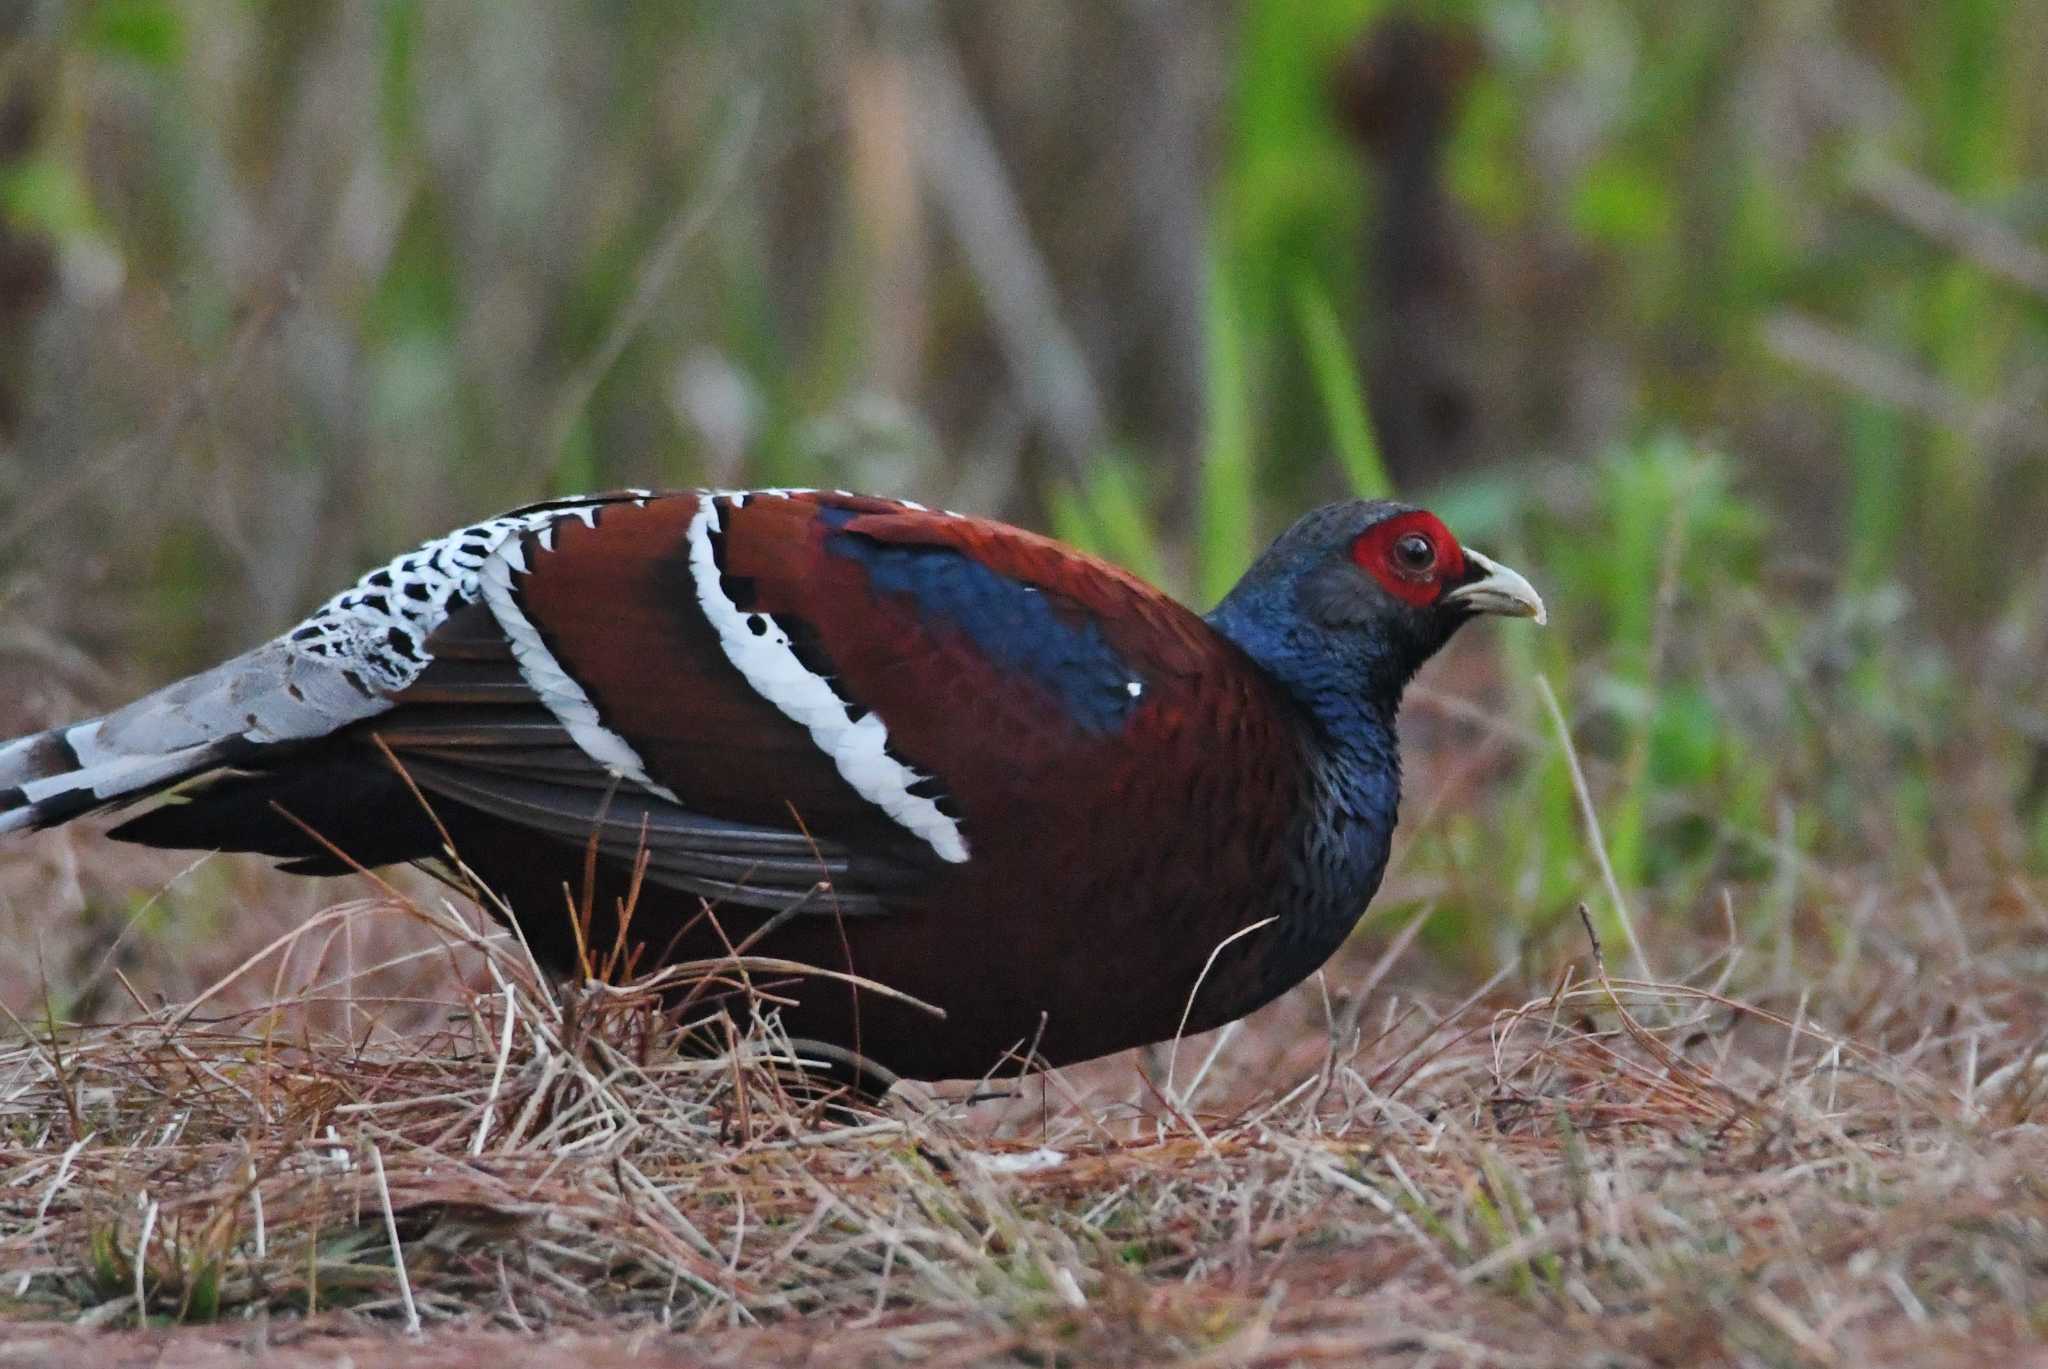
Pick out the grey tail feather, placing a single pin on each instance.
(51, 777)
(219, 717)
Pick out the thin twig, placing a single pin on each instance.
(142, 1264)
(412, 1312)
(1592, 821)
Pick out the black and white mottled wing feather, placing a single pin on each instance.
(343, 664)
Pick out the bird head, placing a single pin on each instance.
(1356, 596)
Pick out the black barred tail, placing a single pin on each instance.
(322, 813)
(247, 712)
(55, 776)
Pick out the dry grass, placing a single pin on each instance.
(1659, 1173)
(1814, 1150)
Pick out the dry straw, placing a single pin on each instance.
(1617, 1160)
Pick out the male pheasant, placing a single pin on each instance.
(934, 751)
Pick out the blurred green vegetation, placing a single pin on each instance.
(1727, 321)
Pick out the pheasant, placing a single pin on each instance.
(900, 745)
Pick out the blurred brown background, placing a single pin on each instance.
(1726, 319)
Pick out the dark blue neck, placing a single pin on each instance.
(1348, 682)
(1348, 693)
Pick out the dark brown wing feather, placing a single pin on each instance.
(472, 732)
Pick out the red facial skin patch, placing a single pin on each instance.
(1373, 550)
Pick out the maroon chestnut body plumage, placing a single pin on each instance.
(998, 775)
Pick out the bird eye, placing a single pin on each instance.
(1415, 554)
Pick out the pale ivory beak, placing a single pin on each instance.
(1497, 590)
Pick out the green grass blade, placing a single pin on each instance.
(1228, 490)
(1341, 388)
(1109, 517)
